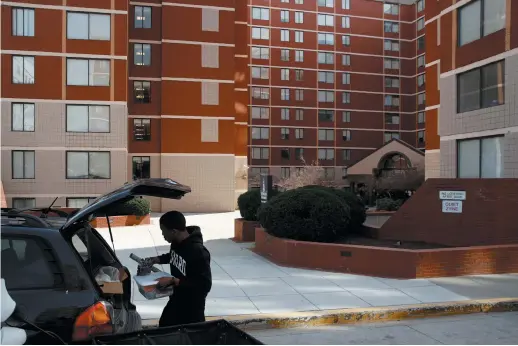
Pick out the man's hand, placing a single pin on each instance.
(145, 265)
(167, 281)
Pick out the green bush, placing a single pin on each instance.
(249, 202)
(306, 214)
(388, 204)
(136, 206)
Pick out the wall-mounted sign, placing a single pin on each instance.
(452, 195)
(452, 207)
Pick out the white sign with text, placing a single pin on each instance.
(452, 207)
(453, 195)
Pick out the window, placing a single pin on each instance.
(299, 17)
(299, 114)
(299, 75)
(285, 153)
(22, 117)
(23, 164)
(326, 96)
(285, 55)
(420, 138)
(299, 55)
(285, 133)
(346, 135)
(388, 136)
(260, 133)
(285, 94)
(346, 60)
(420, 43)
(141, 167)
(285, 172)
(391, 9)
(346, 116)
(299, 152)
(260, 153)
(142, 54)
(421, 118)
(391, 45)
(285, 74)
(480, 157)
(344, 172)
(88, 72)
(346, 97)
(285, 35)
(346, 22)
(260, 93)
(142, 129)
(261, 53)
(326, 77)
(326, 20)
(23, 69)
(88, 165)
(79, 202)
(328, 173)
(260, 72)
(23, 22)
(326, 154)
(480, 18)
(326, 58)
(420, 5)
(346, 78)
(285, 16)
(391, 64)
(326, 115)
(346, 40)
(28, 264)
(420, 80)
(299, 36)
(391, 82)
(326, 135)
(256, 171)
(327, 39)
(346, 154)
(83, 118)
(24, 203)
(326, 3)
(260, 113)
(143, 17)
(299, 95)
(141, 92)
(286, 1)
(481, 88)
(285, 114)
(346, 5)
(391, 27)
(391, 100)
(391, 118)
(88, 26)
(260, 33)
(299, 2)
(420, 24)
(421, 99)
(260, 13)
(421, 61)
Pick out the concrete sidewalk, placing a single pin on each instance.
(245, 283)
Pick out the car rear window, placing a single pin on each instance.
(28, 264)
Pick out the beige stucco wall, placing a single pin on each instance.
(432, 164)
(240, 165)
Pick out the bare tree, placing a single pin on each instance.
(312, 174)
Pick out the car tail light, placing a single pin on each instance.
(93, 321)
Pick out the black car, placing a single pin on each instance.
(50, 271)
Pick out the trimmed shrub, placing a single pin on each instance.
(136, 206)
(249, 202)
(389, 204)
(307, 214)
(356, 206)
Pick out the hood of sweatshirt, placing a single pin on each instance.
(195, 236)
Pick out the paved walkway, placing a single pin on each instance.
(478, 329)
(245, 283)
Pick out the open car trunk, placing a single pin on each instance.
(219, 332)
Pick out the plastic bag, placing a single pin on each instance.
(107, 274)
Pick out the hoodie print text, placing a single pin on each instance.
(178, 262)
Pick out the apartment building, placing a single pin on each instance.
(184, 122)
(63, 100)
(472, 73)
(332, 81)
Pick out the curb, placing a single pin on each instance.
(363, 315)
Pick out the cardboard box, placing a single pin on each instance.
(112, 287)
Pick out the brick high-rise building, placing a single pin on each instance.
(333, 80)
(471, 73)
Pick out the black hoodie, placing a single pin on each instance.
(190, 262)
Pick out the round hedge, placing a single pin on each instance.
(305, 214)
(249, 202)
(136, 206)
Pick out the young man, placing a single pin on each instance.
(190, 266)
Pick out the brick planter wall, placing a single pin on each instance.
(387, 262)
(244, 231)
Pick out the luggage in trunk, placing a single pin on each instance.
(218, 332)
